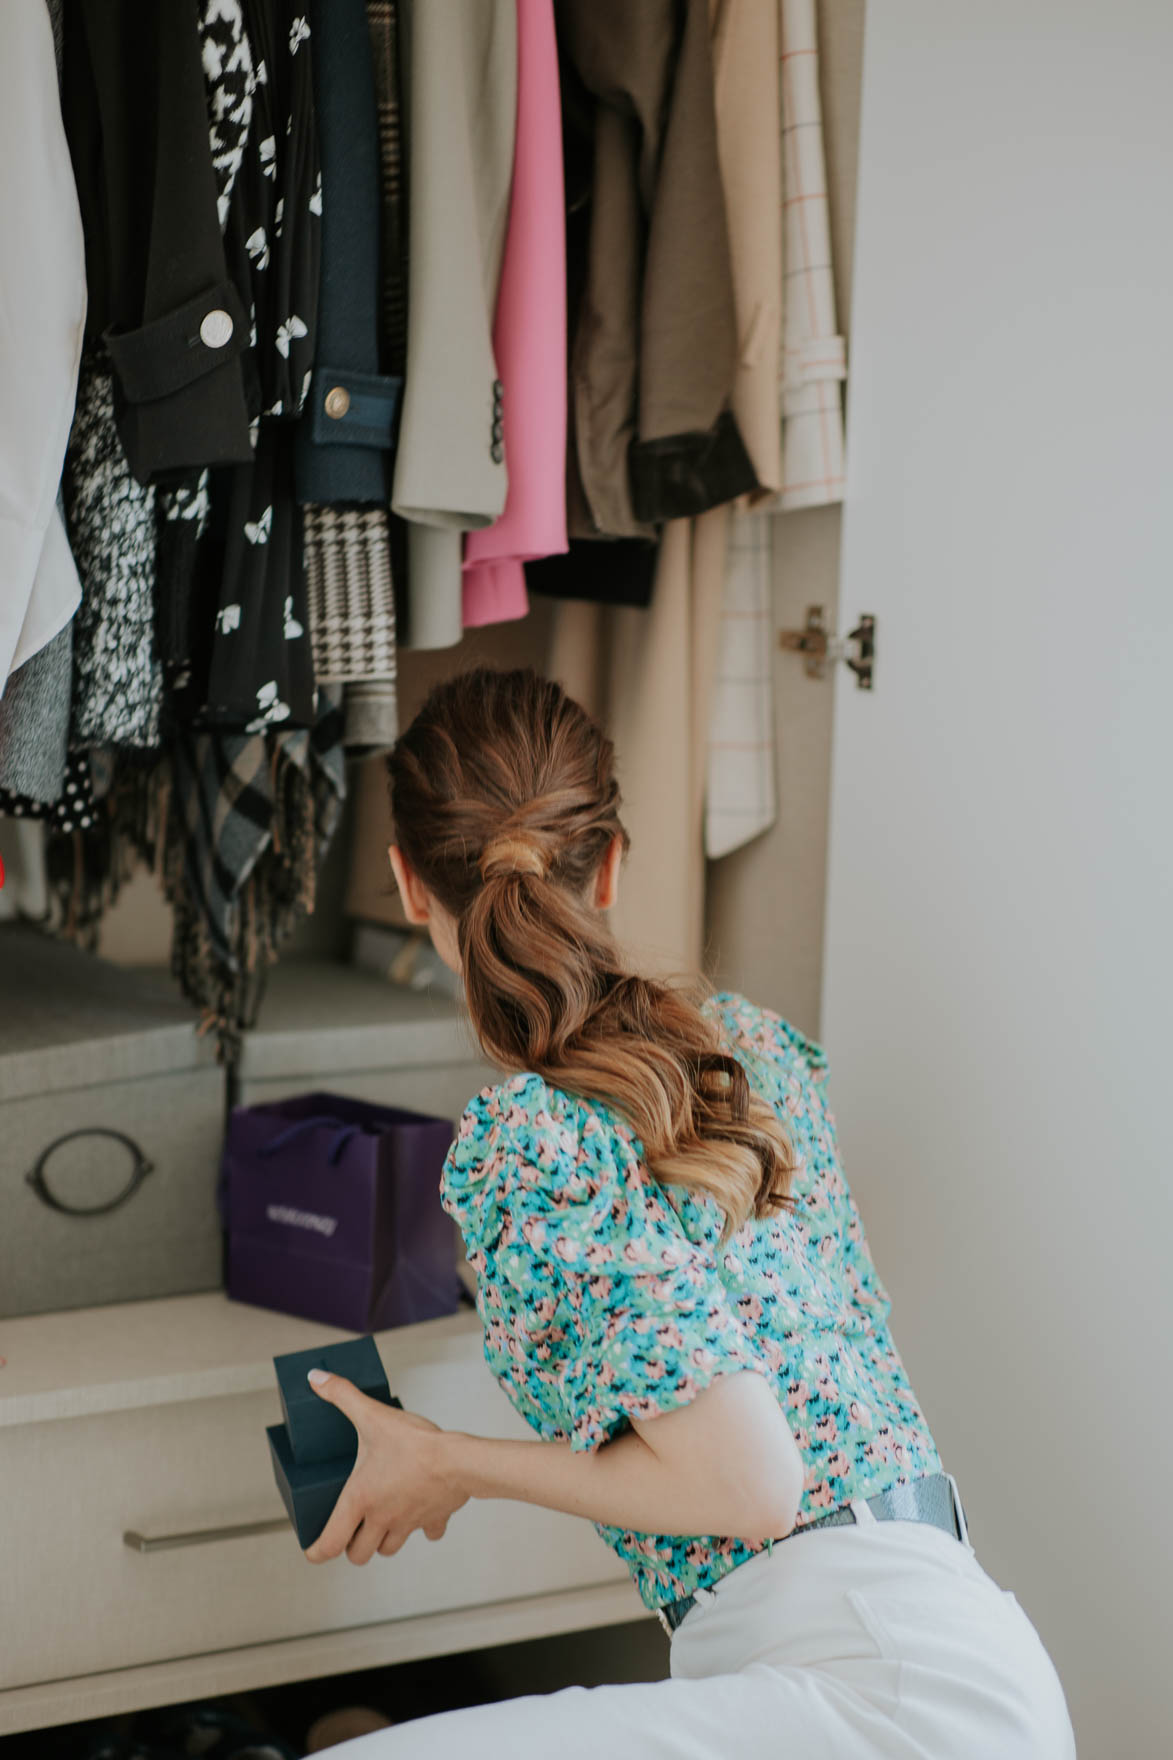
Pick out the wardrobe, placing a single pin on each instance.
(172, 1520)
(964, 896)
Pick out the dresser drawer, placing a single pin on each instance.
(77, 1599)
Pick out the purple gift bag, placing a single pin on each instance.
(332, 1211)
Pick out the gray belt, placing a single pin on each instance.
(933, 1499)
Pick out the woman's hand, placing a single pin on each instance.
(724, 1464)
(398, 1483)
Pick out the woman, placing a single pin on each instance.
(678, 1297)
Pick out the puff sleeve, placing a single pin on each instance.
(602, 1300)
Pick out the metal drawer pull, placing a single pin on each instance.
(203, 1536)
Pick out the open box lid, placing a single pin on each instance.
(71, 1020)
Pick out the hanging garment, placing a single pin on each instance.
(745, 76)
(739, 792)
(370, 710)
(139, 586)
(529, 341)
(383, 21)
(229, 84)
(261, 671)
(741, 801)
(117, 679)
(34, 703)
(351, 601)
(647, 675)
(73, 809)
(740, 788)
(43, 299)
(346, 435)
(611, 571)
(814, 356)
(344, 439)
(249, 819)
(25, 889)
(34, 725)
(593, 567)
(654, 354)
(182, 510)
(460, 90)
(249, 659)
(370, 700)
(161, 298)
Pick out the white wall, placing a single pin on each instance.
(999, 972)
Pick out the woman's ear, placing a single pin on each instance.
(607, 878)
(411, 888)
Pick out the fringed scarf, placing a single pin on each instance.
(235, 826)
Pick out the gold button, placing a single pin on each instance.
(216, 329)
(337, 402)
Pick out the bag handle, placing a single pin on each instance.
(140, 1167)
(319, 1121)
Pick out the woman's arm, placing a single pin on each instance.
(725, 1464)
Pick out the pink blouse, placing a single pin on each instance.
(529, 341)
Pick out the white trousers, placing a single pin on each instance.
(883, 1641)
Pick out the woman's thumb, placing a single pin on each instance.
(340, 1392)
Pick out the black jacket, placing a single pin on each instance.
(159, 295)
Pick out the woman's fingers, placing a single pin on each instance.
(365, 1544)
(340, 1529)
(386, 1481)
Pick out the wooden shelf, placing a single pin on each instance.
(299, 1659)
(89, 1360)
(320, 1017)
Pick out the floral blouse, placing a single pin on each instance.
(606, 1296)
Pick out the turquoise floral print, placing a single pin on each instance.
(606, 1296)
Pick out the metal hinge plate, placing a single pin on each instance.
(820, 648)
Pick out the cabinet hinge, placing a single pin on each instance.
(820, 648)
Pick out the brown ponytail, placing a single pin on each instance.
(505, 804)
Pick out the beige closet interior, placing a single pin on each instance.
(762, 928)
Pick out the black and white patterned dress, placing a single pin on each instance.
(250, 662)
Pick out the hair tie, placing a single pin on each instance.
(510, 854)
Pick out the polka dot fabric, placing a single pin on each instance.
(607, 1297)
(75, 810)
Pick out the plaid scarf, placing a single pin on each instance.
(249, 819)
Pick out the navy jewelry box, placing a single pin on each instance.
(313, 1451)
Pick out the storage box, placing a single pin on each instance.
(105, 1063)
(325, 1025)
(314, 1450)
(333, 1212)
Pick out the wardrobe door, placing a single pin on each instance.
(996, 1005)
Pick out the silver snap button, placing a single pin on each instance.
(337, 402)
(216, 329)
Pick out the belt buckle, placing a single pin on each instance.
(959, 1514)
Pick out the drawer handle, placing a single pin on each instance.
(202, 1536)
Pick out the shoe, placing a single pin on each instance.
(343, 1725)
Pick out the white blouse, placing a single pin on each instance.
(42, 315)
